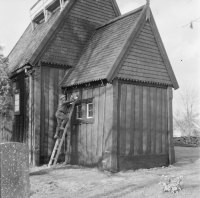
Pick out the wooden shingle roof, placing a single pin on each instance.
(29, 42)
(128, 47)
(102, 50)
(32, 45)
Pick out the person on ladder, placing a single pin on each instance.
(62, 113)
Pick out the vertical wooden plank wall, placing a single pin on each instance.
(94, 139)
(108, 127)
(143, 128)
(50, 80)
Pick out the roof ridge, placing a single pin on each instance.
(121, 17)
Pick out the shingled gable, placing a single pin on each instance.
(108, 49)
(32, 44)
(146, 59)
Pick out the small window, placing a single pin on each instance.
(17, 102)
(90, 110)
(78, 112)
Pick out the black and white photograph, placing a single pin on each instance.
(99, 99)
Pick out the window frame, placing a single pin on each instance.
(88, 110)
(85, 119)
(79, 118)
(17, 92)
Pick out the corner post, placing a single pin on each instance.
(114, 157)
(30, 126)
(170, 125)
(36, 119)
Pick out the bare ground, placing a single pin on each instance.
(75, 181)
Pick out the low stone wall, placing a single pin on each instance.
(14, 170)
(187, 141)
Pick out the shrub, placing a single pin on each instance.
(171, 183)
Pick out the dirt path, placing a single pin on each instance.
(74, 181)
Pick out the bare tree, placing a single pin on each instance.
(188, 112)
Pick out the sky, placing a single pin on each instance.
(181, 43)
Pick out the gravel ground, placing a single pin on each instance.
(75, 181)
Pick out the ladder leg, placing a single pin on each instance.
(54, 151)
(59, 142)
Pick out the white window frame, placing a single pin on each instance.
(91, 103)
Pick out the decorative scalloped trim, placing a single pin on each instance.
(127, 79)
(56, 64)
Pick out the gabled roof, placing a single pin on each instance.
(109, 47)
(32, 43)
(102, 50)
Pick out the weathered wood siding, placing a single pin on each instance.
(92, 140)
(50, 80)
(144, 60)
(143, 126)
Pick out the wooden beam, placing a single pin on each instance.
(30, 127)
(115, 138)
(170, 125)
(36, 122)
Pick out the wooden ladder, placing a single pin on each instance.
(59, 142)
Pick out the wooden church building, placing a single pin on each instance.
(118, 67)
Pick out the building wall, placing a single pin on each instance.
(50, 80)
(143, 126)
(91, 140)
(20, 123)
